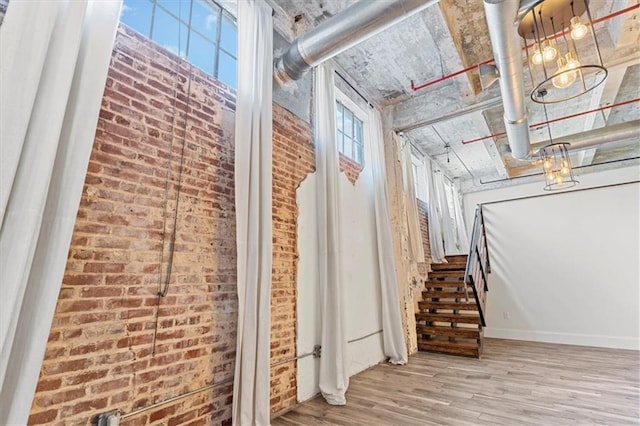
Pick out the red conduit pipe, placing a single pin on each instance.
(415, 88)
(495, 135)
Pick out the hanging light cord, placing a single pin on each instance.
(163, 288)
(162, 291)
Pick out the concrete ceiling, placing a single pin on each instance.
(451, 36)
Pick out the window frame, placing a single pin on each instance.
(420, 188)
(359, 114)
(221, 14)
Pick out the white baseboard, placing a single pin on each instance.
(564, 338)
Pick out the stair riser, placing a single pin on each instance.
(446, 275)
(451, 318)
(448, 266)
(451, 305)
(457, 258)
(472, 352)
(444, 284)
(466, 333)
(444, 295)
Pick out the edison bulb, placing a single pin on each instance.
(559, 180)
(572, 60)
(551, 176)
(578, 29)
(564, 171)
(564, 77)
(549, 52)
(547, 164)
(536, 58)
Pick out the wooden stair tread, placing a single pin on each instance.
(441, 294)
(451, 266)
(471, 306)
(447, 274)
(444, 284)
(455, 348)
(444, 317)
(463, 332)
(454, 258)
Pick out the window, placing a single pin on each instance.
(349, 133)
(199, 31)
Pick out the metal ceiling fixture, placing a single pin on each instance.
(556, 164)
(562, 60)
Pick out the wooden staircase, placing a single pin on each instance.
(447, 322)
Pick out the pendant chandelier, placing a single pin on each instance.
(562, 50)
(556, 166)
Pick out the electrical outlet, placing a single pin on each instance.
(506, 315)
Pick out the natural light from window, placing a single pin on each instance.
(197, 30)
(349, 133)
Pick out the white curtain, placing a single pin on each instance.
(460, 230)
(334, 375)
(392, 332)
(54, 58)
(416, 249)
(446, 221)
(253, 168)
(436, 242)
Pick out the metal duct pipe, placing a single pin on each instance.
(344, 30)
(617, 133)
(503, 17)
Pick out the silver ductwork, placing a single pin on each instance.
(344, 30)
(628, 131)
(503, 17)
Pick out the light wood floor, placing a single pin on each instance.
(515, 383)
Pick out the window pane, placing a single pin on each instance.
(339, 116)
(179, 8)
(201, 53)
(348, 147)
(359, 157)
(358, 130)
(168, 32)
(340, 142)
(227, 69)
(229, 36)
(204, 19)
(348, 123)
(137, 15)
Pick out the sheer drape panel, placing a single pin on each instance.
(446, 221)
(436, 242)
(462, 240)
(54, 58)
(334, 375)
(416, 249)
(392, 333)
(253, 168)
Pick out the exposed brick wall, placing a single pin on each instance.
(99, 351)
(350, 168)
(423, 213)
(293, 159)
(98, 356)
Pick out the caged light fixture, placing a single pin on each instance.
(562, 60)
(556, 164)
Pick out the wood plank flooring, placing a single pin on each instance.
(515, 383)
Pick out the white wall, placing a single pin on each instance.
(565, 267)
(360, 277)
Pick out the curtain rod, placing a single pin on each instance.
(353, 88)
